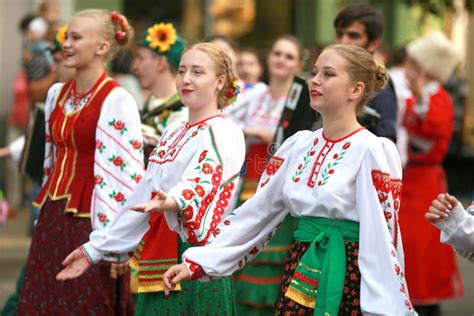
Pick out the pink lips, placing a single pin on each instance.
(186, 91)
(315, 94)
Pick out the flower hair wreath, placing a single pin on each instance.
(120, 32)
(234, 91)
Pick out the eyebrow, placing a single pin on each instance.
(192, 66)
(325, 67)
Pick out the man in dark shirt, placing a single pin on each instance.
(362, 25)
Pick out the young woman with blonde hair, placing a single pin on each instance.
(343, 185)
(93, 161)
(191, 177)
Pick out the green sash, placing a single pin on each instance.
(319, 277)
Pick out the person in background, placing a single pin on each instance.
(93, 160)
(362, 25)
(121, 68)
(191, 177)
(398, 75)
(257, 285)
(155, 65)
(343, 184)
(249, 67)
(63, 74)
(431, 270)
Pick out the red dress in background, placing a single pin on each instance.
(431, 270)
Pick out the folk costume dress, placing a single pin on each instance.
(258, 284)
(347, 255)
(197, 165)
(93, 161)
(431, 268)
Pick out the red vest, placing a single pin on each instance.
(73, 134)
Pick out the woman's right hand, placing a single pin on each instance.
(440, 208)
(174, 275)
(75, 265)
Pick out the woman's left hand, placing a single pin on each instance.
(174, 275)
(156, 204)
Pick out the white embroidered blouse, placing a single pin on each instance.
(197, 165)
(118, 156)
(355, 178)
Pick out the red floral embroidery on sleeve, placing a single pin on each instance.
(196, 270)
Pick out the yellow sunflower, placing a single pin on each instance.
(161, 36)
(61, 34)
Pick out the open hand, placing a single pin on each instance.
(441, 207)
(153, 206)
(74, 266)
(174, 275)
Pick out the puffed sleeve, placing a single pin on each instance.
(245, 231)
(208, 183)
(50, 148)
(457, 230)
(121, 237)
(378, 187)
(118, 158)
(117, 240)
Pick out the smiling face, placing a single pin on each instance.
(284, 60)
(83, 45)
(197, 81)
(330, 86)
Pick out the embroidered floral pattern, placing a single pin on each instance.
(195, 269)
(169, 148)
(329, 169)
(136, 144)
(103, 219)
(100, 181)
(136, 177)
(306, 159)
(118, 125)
(118, 197)
(388, 192)
(100, 146)
(118, 162)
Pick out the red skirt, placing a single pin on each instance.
(94, 293)
(430, 267)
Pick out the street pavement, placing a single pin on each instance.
(14, 245)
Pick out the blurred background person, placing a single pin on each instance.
(155, 64)
(121, 68)
(431, 269)
(362, 25)
(257, 285)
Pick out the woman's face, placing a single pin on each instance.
(82, 45)
(197, 81)
(248, 67)
(284, 60)
(330, 86)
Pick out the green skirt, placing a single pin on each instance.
(257, 285)
(195, 298)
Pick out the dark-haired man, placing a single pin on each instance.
(362, 25)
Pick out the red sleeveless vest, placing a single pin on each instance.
(73, 134)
